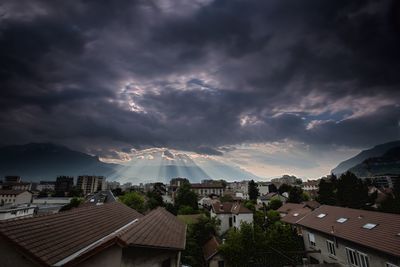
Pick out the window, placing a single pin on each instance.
(221, 263)
(322, 215)
(352, 257)
(295, 214)
(311, 238)
(341, 220)
(331, 247)
(363, 259)
(369, 226)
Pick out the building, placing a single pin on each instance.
(266, 199)
(46, 186)
(310, 185)
(351, 237)
(12, 212)
(211, 255)
(99, 198)
(386, 181)
(12, 179)
(15, 197)
(91, 184)
(64, 184)
(231, 214)
(266, 187)
(215, 188)
(104, 235)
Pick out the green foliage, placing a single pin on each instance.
(134, 200)
(186, 197)
(351, 191)
(327, 192)
(184, 210)
(74, 203)
(295, 195)
(273, 216)
(251, 244)
(75, 192)
(250, 204)
(259, 218)
(197, 234)
(154, 200)
(284, 188)
(171, 208)
(275, 204)
(226, 198)
(253, 190)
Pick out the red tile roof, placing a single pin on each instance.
(159, 228)
(294, 215)
(384, 237)
(287, 207)
(50, 239)
(12, 192)
(229, 208)
(210, 248)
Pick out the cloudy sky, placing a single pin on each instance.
(278, 86)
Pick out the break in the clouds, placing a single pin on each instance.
(201, 76)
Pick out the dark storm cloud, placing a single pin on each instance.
(137, 74)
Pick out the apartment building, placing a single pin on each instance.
(231, 214)
(15, 197)
(208, 189)
(349, 237)
(91, 184)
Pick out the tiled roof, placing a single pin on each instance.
(294, 215)
(159, 228)
(49, 239)
(287, 207)
(229, 208)
(385, 236)
(210, 248)
(11, 192)
(312, 204)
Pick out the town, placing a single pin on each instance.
(284, 222)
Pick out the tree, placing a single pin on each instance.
(197, 234)
(226, 198)
(74, 203)
(154, 199)
(351, 191)
(327, 192)
(275, 204)
(273, 216)
(186, 197)
(253, 190)
(134, 200)
(284, 188)
(184, 210)
(295, 195)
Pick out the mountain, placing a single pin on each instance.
(46, 161)
(374, 152)
(159, 164)
(388, 163)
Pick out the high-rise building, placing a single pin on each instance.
(64, 184)
(90, 184)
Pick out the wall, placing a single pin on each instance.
(224, 218)
(110, 257)
(10, 257)
(23, 198)
(376, 258)
(245, 217)
(143, 257)
(20, 212)
(213, 262)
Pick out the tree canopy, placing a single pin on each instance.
(253, 190)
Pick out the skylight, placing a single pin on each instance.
(295, 214)
(341, 220)
(369, 225)
(322, 215)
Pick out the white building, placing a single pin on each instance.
(231, 215)
(12, 212)
(208, 189)
(15, 197)
(91, 184)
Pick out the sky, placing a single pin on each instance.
(278, 86)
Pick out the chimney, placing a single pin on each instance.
(333, 230)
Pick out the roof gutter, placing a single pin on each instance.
(85, 249)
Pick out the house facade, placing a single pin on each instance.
(15, 197)
(231, 214)
(208, 189)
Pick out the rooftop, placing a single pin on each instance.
(52, 239)
(229, 208)
(376, 230)
(11, 192)
(210, 248)
(208, 185)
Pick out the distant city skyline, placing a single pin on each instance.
(272, 87)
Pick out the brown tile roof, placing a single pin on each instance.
(294, 215)
(49, 239)
(384, 237)
(210, 248)
(229, 208)
(312, 204)
(159, 228)
(287, 207)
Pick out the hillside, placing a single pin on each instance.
(388, 163)
(374, 152)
